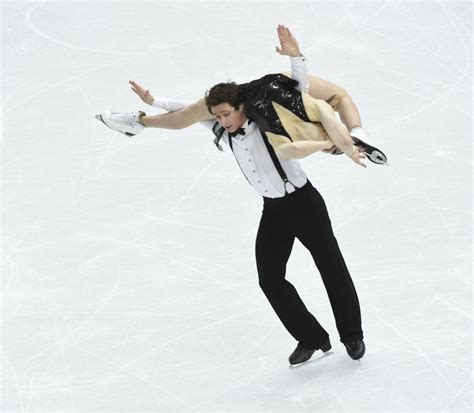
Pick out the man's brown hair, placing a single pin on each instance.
(228, 92)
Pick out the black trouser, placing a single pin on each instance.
(303, 215)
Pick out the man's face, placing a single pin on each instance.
(229, 117)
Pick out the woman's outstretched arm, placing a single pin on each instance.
(181, 113)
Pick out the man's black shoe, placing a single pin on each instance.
(355, 349)
(301, 354)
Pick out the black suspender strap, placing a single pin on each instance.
(277, 164)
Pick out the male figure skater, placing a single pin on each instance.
(296, 211)
(337, 97)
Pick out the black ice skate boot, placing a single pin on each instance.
(355, 349)
(301, 354)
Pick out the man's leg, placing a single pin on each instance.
(273, 247)
(315, 232)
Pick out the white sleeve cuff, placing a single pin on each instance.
(170, 105)
(299, 72)
(298, 60)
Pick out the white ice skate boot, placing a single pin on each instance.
(360, 137)
(360, 133)
(126, 123)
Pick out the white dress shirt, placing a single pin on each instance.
(250, 150)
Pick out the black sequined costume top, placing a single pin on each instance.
(259, 95)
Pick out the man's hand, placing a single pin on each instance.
(358, 155)
(331, 149)
(288, 44)
(142, 93)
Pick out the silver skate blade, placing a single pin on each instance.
(99, 118)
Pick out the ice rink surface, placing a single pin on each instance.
(129, 280)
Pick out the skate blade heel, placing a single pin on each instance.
(326, 346)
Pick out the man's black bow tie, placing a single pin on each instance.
(240, 131)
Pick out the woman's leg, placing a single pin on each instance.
(320, 111)
(337, 97)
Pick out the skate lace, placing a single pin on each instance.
(299, 350)
(353, 345)
(124, 118)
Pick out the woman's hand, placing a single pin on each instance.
(358, 155)
(288, 44)
(142, 93)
